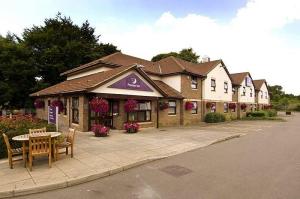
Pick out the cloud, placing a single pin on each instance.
(248, 42)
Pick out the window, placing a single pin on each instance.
(49, 103)
(261, 94)
(142, 113)
(75, 110)
(213, 107)
(233, 91)
(225, 107)
(172, 107)
(225, 87)
(194, 82)
(244, 91)
(195, 108)
(266, 95)
(115, 108)
(213, 85)
(251, 93)
(65, 106)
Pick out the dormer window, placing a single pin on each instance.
(213, 85)
(225, 87)
(244, 91)
(194, 82)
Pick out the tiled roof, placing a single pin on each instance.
(238, 78)
(83, 83)
(169, 91)
(258, 83)
(166, 66)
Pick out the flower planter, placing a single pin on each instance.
(131, 127)
(101, 134)
(100, 130)
(131, 130)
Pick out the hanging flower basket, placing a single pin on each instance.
(131, 127)
(100, 130)
(163, 105)
(39, 103)
(59, 104)
(99, 105)
(189, 106)
(130, 105)
(232, 105)
(243, 106)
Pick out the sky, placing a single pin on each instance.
(258, 36)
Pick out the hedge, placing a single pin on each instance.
(19, 125)
(214, 117)
(264, 113)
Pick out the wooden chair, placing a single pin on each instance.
(37, 131)
(11, 152)
(39, 146)
(70, 137)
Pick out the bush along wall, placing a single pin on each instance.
(214, 117)
(19, 125)
(265, 113)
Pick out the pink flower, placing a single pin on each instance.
(130, 105)
(189, 106)
(99, 105)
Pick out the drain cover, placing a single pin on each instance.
(176, 170)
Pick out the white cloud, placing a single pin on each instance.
(247, 43)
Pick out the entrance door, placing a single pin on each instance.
(96, 118)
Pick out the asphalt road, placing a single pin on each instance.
(259, 165)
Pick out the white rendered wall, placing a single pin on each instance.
(246, 98)
(173, 81)
(264, 90)
(220, 75)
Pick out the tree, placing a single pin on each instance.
(60, 45)
(17, 74)
(276, 92)
(186, 54)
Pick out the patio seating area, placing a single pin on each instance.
(96, 157)
(38, 143)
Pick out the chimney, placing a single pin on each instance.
(205, 59)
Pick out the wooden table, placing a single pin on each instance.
(25, 138)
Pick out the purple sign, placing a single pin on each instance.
(131, 82)
(52, 115)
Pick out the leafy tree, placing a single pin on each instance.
(276, 92)
(17, 74)
(186, 54)
(60, 45)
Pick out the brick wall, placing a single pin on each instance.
(169, 120)
(186, 89)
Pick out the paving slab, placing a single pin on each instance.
(99, 157)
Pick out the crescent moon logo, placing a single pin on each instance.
(133, 80)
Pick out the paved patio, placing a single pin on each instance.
(98, 157)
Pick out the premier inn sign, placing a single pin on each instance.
(131, 82)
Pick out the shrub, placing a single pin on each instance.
(19, 125)
(214, 117)
(271, 113)
(257, 114)
(297, 108)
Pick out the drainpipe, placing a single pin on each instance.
(157, 113)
